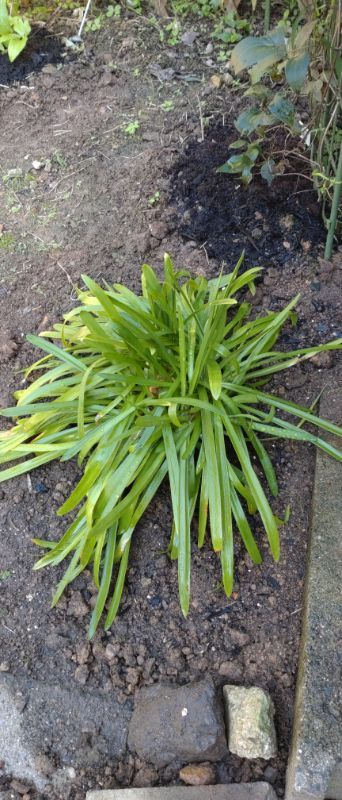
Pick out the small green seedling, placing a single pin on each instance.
(168, 105)
(113, 10)
(132, 128)
(154, 199)
(173, 31)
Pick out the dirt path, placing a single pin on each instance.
(101, 200)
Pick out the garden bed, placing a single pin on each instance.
(100, 202)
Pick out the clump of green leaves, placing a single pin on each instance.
(263, 55)
(95, 24)
(297, 58)
(201, 8)
(14, 31)
(166, 384)
(230, 28)
(132, 128)
(154, 199)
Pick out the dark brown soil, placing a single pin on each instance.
(228, 223)
(89, 209)
(42, 48)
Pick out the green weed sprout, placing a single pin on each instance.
(169, 383)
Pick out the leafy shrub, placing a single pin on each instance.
(169, 383)
(298, 59)
(14, 31)
(261, 55)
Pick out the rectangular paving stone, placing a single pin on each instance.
(232, 791)
(36, 717)
(315, 763)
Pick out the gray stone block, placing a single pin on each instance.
(250, 722)
(183, 723)
(231, 791)
(37, 717)
(315, 763)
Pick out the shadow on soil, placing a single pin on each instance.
(42, 48)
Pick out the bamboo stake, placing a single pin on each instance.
(267, 15)
(334, 209)
(84, 19)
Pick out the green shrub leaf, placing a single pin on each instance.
(296, 71)
(259, 49)
(252, 119)
(282, 109)
(266, 170)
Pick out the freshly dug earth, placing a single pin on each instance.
(101, 202)
(42, 49)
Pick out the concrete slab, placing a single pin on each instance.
(37, 717)
(231, 791)
(315, 763)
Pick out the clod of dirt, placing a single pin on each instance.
(159, 229)
(146, 776)
(8, 348)
(323, 360)
(231, 671)
(43, 765)
(19, 787)
(76, 606)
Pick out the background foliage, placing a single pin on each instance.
(296, 68)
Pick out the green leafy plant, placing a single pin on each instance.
(132, 127)
(230, 28)
(99, 20)
(14, 31)
(305, 57)
(171, 33)
(242, 163)
(260, 55)
(169, 383)
(134, 5)
(154, 199)
(168, 105)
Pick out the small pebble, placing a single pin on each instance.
(158, 229)
(40, 487)
(19, 787)
(71, 773)
(257, 233)
(111, 651)
(270, 774)
(216, 81)
(198, 774)
(323, 360)
(76, 606)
